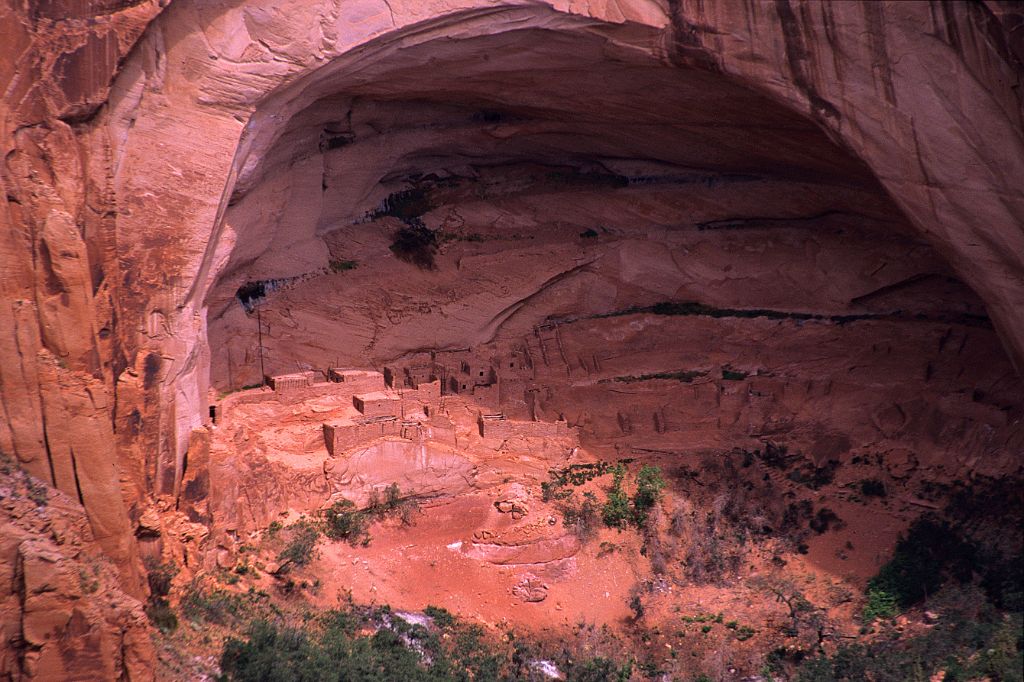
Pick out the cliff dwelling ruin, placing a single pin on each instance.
(515, 341)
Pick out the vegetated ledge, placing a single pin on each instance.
(251, 293)
(685, 376)
(693, 308)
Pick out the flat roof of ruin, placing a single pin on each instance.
(376, 395)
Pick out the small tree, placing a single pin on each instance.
(649, 485)
(616, 512)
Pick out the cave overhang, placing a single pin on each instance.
(240, 74)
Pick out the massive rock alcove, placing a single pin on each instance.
(537, 137)
(681, 227)
(571, 182)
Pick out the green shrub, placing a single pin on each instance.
(342, 265)
(930, 553)
(616, 511)
(89, 583)
(159, 576)
(880, 604)
(600, 669)
(649, 485)
(824, 519)
(443, 618)
(972, 640)
(38, 492)
(162, 616)
(733, 374)
(301, 547)
(343, 521)
(579, 474)
(581, 518)
(415, 243)
(338, 647)
(872, 487)
(158, 610)
(224, 607)
(745, 632)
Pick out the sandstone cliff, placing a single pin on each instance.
(821, 159)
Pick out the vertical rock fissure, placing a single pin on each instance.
(78, 483)
(49, 454)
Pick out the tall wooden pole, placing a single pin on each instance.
(259, 333)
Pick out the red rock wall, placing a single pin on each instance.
(121, 156)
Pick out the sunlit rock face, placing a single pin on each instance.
(710, 222)
(680, 260)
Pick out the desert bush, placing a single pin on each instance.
(872, 487)
(774, 456)
(416, 244)
(223, 607)
(714, 551)
(649, 485)
(930, 553)
(972, 640)
(814, 476)
(729, 374)
(301, 548)
(616, 511)
(364, 645)
(38, 491)
(582, 517)
(808, 622)
(825, 519)
(159, 576)
(443, 618)
(600, 669)
(341, 265)
(343, 521)
(162, 616)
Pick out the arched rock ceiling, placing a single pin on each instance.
(926, 96)
(891, 113)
